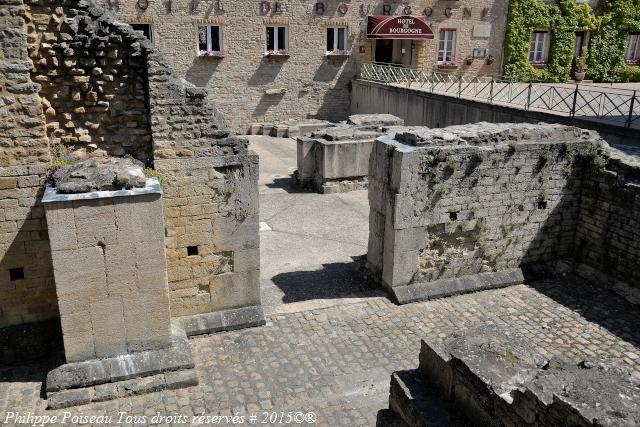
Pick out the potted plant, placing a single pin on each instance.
(581, 65)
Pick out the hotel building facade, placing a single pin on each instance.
(269, 61)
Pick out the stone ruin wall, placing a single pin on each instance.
(26, 280)
(492, 198)
(212, 240)
(128, 102)
(93, 82)
(608, 232)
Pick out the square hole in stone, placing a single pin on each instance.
(453, 216)
(16, 273)
(192, 250)
(542, 204)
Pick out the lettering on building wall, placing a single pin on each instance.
(466, 12)
(485, 13)
(386, 9)
(448, 12)
(142, 4)
(428, 11)
(364, 10)
(320, 8)
(343, 8)
(168, 6)
(407, 10)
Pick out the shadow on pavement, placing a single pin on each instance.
(333, 281)
(286, 184)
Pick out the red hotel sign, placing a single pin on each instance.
(398, 27)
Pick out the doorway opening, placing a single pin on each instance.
(391, 51)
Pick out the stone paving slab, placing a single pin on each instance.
(304, 361)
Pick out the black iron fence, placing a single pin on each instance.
(610, 104)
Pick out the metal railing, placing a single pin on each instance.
(616, 106)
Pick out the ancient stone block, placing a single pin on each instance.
(451, 214)
(116, 301)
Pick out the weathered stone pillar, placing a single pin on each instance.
(107, 250)
(108, 256)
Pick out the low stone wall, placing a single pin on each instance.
(213, 246)
(466, 208)
(492, 377)
(336, 159)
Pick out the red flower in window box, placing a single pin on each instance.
(632, 61)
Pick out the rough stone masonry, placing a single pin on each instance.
(472, 207)
(75, 84)
(492, 376)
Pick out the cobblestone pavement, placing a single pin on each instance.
(331, 343)
(336, 361)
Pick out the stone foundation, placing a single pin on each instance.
(288, 129)
(490, 376)
(472, 207)
(336, 159)
(109, 378)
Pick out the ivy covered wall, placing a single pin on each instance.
(608, 25)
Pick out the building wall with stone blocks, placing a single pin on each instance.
(467, 200)
(608, 233)
(26, 281)
(213, 246)
(248, 87)
(93, 82)
(117, 301)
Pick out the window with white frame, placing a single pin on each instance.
(277, 39)
(447, 46)
(145, 29)
(539, 48)
(209, 40)
(632, 50)
(336, 39)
